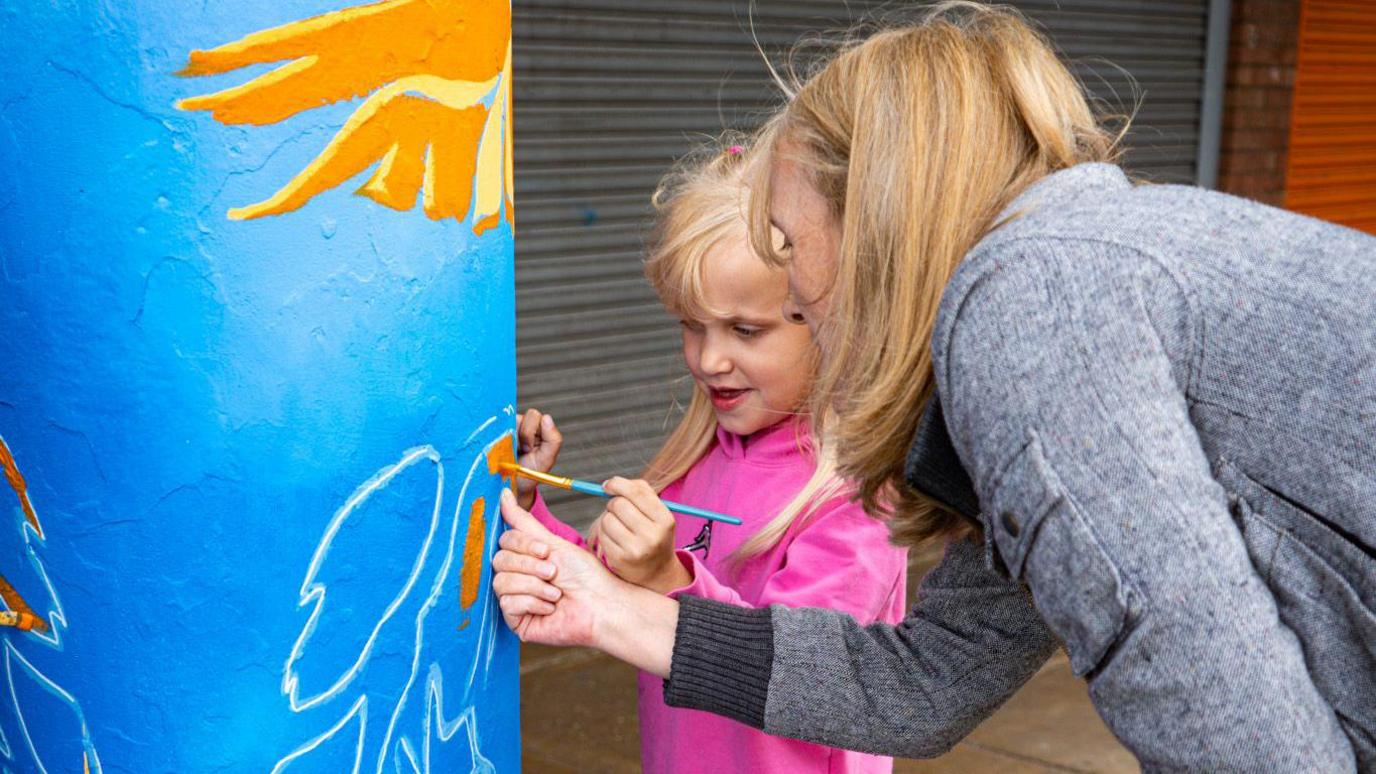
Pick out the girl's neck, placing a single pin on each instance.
(779, 442)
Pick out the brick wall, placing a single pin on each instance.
(1256, 115)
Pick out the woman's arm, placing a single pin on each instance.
(911, 690)
(1063, 366)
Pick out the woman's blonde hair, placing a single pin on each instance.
(699, 206)
(918, 136)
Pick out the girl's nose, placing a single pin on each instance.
(713, 360)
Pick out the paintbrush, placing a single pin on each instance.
(589, 488)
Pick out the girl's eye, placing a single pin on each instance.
(746, 333)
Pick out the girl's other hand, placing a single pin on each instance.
(635, 536)
(540, 442)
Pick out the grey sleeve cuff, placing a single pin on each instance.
(722, 660)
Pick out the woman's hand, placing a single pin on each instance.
(635, 535)
(525, 568)
(553, 592)
(540, 443)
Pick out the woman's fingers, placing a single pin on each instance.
(516, 605)
(511, 561)
(509, 583)
(524, 543)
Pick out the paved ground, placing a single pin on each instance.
(578, 715)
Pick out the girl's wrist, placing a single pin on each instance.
(671, 575)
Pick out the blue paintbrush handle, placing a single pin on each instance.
(589, 488)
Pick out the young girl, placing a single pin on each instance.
(743, 449)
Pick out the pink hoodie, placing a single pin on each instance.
(837, 558)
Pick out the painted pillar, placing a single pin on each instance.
(256, 347)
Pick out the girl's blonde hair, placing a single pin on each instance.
(917, 136)
(699, 206)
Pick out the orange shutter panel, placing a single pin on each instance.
(1331, 172)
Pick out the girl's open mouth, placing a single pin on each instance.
(725, 400)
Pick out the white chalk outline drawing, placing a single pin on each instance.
(56, 618)
(398, 741)
(358, 710)
(314, 591)
(44, 682)
(446, 730)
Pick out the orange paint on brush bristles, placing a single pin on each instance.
(472, 573)
(20, 487)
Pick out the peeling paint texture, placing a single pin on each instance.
(257, 447)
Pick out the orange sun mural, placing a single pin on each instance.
(436, 121)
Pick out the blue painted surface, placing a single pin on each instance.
(205, 408)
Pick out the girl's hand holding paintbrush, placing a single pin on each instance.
(635, 537)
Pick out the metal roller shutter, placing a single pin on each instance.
(1332, 164)
(610, 92)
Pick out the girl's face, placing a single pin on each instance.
(811, 238)
(754, 365)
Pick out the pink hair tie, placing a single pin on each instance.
(735, 150)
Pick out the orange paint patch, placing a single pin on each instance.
(471, 574)
(490, 222)
(27, 618)
(20, 487)
(502, 452)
